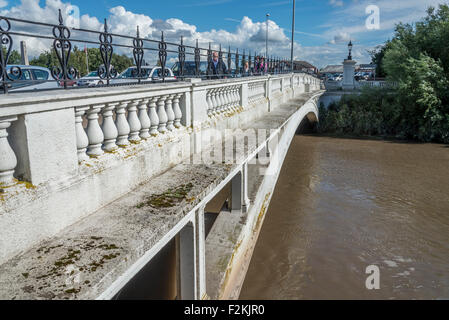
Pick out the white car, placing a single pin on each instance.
(152, 74)
(92, 79)
(31, 78)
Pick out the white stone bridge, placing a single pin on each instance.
(150, 191)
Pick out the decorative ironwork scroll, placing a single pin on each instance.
(138, 53)
(181, 57)
(197, 59)
(6, 40)
(163, 55)
(63, 48)
(106, 70)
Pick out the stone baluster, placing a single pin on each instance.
(217, 100)
(232, 99)
(144, 119)
(8, 159)
(110, 131)
(163, 118)
(226, 99)
(213, 97)
(133, 121)
(209, 103)
(221, 99)
(231, 95)
(94, 132)
(170, 113)
(153, 116)
(177, 110)
(82, 141)
(237, 96)
(122, 124)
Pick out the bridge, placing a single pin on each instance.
(142, 191)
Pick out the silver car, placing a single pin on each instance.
(31, 78)
(151, 74)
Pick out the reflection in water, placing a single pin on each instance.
(343, 204)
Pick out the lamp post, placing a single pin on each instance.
(293, 33)
(350, 50)
(266, 38)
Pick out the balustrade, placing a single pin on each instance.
(132, 120)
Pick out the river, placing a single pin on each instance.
(341, 205)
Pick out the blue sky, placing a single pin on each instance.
(322, 30)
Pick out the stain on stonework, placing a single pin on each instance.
(169, 198)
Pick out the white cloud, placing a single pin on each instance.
(3, 3)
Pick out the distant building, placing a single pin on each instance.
(304, 66)
(331, 70)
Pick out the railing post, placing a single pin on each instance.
(122, 124)
(144, 119)
(82, 141)
(110, 131)
(45, 144)
(153, 116)
(133, 121)
(94, 132)
(244, 95)
(268, 86)
(8, 160)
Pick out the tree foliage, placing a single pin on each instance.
(417, 58)
(77, 60)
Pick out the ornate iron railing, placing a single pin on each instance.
(64, 75)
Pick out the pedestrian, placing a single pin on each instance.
(217, 69)
(246, 72)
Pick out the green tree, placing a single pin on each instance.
(417, 59)
(14, 58)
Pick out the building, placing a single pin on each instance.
(331, 70)
(304, 66)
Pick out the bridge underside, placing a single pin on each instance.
(188, 233)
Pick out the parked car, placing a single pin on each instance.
(91, 79)
(151, 74)
(189, 68)
(31, 78)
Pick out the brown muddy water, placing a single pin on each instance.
(341, 205)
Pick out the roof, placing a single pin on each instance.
(305, 64)
(338, 68)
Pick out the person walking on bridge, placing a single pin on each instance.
(217, 69)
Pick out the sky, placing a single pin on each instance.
(323, 28)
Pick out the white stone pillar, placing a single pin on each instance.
(94, 132)
(162, 114)
(110, 131)
(177, 110)
(133, 121)
(122, 124)
(144, 119)
(82, 141)
(348, 74)
(210, 106)
(153, 116)
(8, 160)
(170, 113)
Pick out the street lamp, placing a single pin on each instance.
(266, 38)
(293, 33)
(350, 50)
